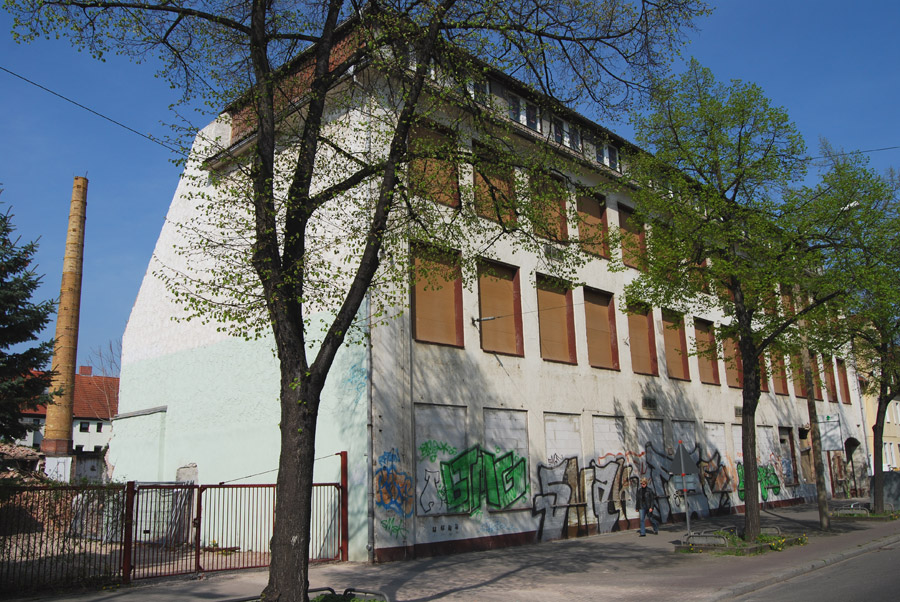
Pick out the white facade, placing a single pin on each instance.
(469, 448)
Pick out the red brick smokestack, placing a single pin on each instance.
(58, 430)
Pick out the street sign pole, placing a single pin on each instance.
(685, 465)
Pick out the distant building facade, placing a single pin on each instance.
(96, 403)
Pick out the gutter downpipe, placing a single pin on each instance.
(370, 444)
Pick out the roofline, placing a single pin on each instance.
(342, 28)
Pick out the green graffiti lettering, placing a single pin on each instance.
(429, 450)
(768, 481)
(477, 475)
(395, 527)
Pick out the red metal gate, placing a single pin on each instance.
(58, 536)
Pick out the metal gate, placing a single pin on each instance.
(66, 535)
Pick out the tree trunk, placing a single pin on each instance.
(751, 471)
(819, 465)
(878, 458)
(289, 568)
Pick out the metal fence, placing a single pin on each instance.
(55, 536)
(68, 535)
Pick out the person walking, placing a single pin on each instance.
(645, 499)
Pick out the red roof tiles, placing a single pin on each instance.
(96, 398)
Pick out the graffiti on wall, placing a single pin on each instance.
(611, 485)
(560, 497)
(768, 481)
(433, 496)
(567, 494)
(430, 449)
(477, 475)
(612, 481)
(393, 488)
(394, 527)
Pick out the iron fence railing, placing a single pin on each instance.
(235, 526)
(80, 535)
(56, 536)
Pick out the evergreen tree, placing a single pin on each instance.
(23, 384)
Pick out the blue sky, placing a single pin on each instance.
(833, 67)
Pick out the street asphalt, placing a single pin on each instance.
(615, 566)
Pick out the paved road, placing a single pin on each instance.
(872, 576)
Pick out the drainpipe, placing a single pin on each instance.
(58, 430)
(370, 446)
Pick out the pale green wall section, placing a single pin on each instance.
(223, 414)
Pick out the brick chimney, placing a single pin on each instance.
(58, 430)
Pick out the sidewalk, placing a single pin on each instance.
(613, 566)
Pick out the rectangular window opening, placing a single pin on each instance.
(592, 226)
(548, 207)
(676, 345)
(830, 384)
(433, 173)
(707, 354)
(779, 374)
(437, 297)
(600, 321)
(845, 384)
(499, 300)
(556, 320)
(734, 367)
(633, 238)
(642, 340)
(494, 189)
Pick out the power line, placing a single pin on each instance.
(77, 104)
(858, 152)
(175, 150)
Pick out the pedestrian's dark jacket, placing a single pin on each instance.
(645, 498)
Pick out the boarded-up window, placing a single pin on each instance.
(798, 377)
(441, 435)
(556, 320)
(548, 207)
(592, 227)
(501, 313)
(506, 437)
(763, 375)
(842, 377)
(779, 374)
(830, 383)
(787, 455)
(641, 340)
(817, 378)
(600, 321)
(787, 300)
(437, 298)
(432, 173)
(707, 356)
(676, 345)
(734, 367)
(632, 238)
(494, 190)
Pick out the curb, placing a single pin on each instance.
(746, 588)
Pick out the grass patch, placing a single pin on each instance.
(737, 546)
(882, 517)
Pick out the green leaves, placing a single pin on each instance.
(21, 320)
